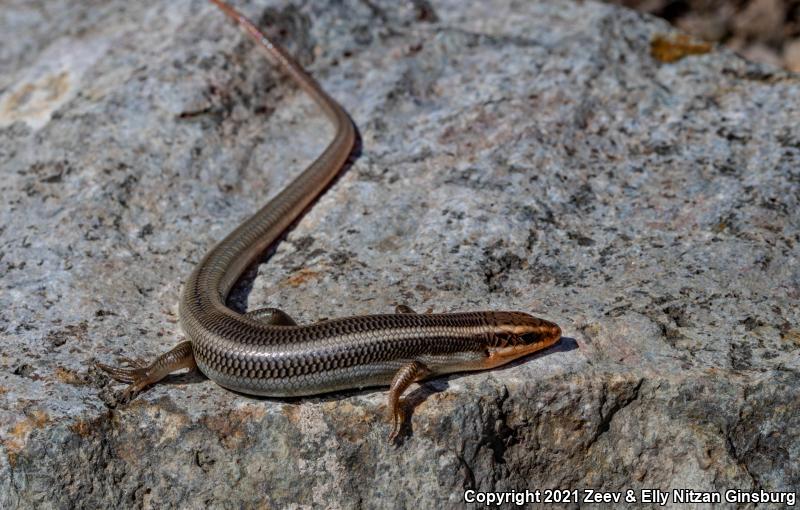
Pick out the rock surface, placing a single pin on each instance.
(516, 155)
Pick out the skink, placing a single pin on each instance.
(265, 352)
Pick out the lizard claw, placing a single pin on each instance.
(137, 377)
(121, 374)
(134, 362)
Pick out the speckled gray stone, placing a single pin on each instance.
(515, 155)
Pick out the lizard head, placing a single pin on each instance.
(517, 334)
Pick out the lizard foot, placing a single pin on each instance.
(139, 375)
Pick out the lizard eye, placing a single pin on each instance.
(541, 336)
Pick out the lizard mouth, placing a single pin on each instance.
(531, 342)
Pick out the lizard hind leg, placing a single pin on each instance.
(140, 375)
(409, 373)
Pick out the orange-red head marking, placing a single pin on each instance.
(518, 334)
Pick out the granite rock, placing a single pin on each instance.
(514, 155)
